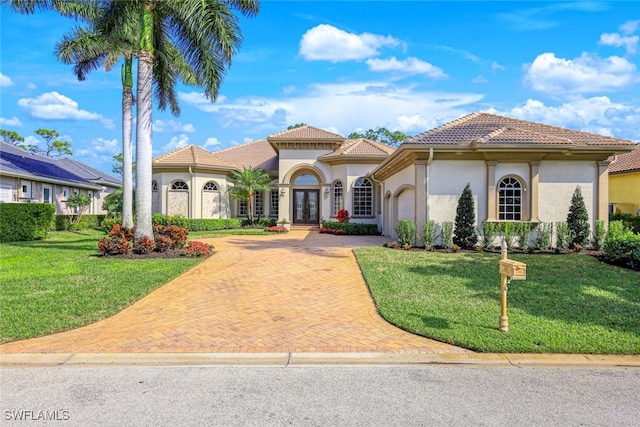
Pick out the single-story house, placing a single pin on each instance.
(624, 183)
(518, 171)
(27, 177)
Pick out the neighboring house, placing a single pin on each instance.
(518, 170)
(28, 177)
(624, 183)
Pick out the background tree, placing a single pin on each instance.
(246, 182)
(77, 206)
(382, 135)
(118, 165)
(297, 125)
(13, 138)
(464, 234)
(578, 220)
(55, 147)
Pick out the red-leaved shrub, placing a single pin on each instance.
(114, 246)
(196, 249)
(343, 215)
(144, 245)
(178, 235)
(163, 243)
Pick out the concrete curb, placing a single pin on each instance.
(319, 359)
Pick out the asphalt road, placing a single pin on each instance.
(319, 395)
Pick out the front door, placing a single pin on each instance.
(305, 208)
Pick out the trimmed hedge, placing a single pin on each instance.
(88, 221)
(622, 246)
(197, 224)
(353, 228)
(21, 222)
(629, 220)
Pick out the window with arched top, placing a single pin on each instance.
(210, 186)
(363, 197)
(306, 179)
(179, 185)
(154, 185)
(338, 197)
(510, 199)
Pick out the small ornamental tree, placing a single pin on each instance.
(464, 234)
(77, 206)
(578, 220)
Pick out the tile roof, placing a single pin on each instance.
(626, 162)
(191, 155)
(361, 147)
(304, 133)
(484, 128)
(23, 162)
(257, 153)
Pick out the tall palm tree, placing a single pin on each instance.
(203, 34)
(89, 49)
(206, 36)
(246, 182)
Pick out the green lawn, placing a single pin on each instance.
(568, 304)
(61, 283)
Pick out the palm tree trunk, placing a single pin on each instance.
(127, 155)
(250, 207)
(144, 146)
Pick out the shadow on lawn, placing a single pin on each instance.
(74, 245)
(573, 288)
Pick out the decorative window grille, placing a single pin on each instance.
(338, 198)
(363, 197)
(510, 200)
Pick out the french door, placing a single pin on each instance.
(305, 206)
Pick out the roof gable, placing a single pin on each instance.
(360, 148)
(305, 133)
(191, 155)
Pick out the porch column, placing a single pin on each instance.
(491, 190)
(534, 190)
(603, 191)
(421, 195)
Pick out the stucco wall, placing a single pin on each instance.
(558, 181)
(624, 192)
(446, 181)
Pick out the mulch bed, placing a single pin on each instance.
(174, 253)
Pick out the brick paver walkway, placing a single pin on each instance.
(299, 292)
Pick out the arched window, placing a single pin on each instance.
(179, 185)
(210, 186)
(338, 197)
(306, 179)
(363, 197)
(154, 185)
(510, 199)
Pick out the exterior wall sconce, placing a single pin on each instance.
(326, 190)
(282, 191)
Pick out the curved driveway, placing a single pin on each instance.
(299, 292)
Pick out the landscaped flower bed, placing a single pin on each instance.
(276, 229)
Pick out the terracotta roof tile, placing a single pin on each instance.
(361, 147)
(305, 133)
(491, 128)
(257, 153)
(191, 155)
(626, 162)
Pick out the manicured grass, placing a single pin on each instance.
(568, 304)
(194, 235)
(61, 283)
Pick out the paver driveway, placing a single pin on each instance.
(299, 292)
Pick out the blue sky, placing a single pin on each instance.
(352, 65)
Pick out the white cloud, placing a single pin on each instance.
(288, 89)
(211, 142)
(31, 86)
(172, 126)
(614, 39)
(107, 146)
(479, 79)
(495, 66)
(343, 106)
(5, 81)
(410, 66)
(629, 27)
(327, 43)
(176, 142)
(54, 106)
(585, 74)
(13, 121)
(596, 115)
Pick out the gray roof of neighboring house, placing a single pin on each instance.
(22, 162)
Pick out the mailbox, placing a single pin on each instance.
(514, 269)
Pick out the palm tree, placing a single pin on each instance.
(246, 182)
(206, 36)
(89, 49)
(202, 34)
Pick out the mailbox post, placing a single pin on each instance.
(509, 270)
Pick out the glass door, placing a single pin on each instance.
(305, 206)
